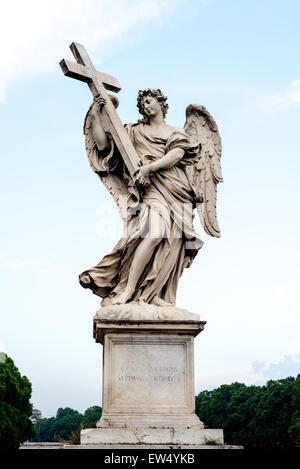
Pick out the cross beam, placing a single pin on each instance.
(77, 71)
(98, 83)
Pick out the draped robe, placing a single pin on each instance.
(172, 195)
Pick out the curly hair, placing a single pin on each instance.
(154, 93)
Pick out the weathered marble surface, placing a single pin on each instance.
(148, 374)
(141, 311)
(126, 446)
(148, 384)
(151, 436)
(157, 174)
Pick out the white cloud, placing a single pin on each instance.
(36, 265)
(288, 366)
(214, 379)
(287, 287)
(36, 34)
(16, 265)
(258, 373)
(2, 348)
(291, 97)
(287, 295)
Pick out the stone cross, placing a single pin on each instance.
(98, 83)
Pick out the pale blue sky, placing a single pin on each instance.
(241, 60)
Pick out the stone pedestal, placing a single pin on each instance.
(148, 384)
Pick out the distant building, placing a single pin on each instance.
(36, 415)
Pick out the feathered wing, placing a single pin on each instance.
(207, 173)
(105, 166)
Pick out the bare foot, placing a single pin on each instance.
(160, 302)
(122, 298)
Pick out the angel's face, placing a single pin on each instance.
(151, 106)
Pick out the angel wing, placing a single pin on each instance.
(105, 166)
(207, 173)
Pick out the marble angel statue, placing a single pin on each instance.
(179, 170)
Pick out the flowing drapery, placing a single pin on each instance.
(172, 195)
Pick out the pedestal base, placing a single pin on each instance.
(151, 436)
(148, 384)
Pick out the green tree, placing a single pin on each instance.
(273, 414)
(15, 407)
(294, 429)
(253, 416)
(66, 423)
(229, 407)
(91, 416)
(45, 429)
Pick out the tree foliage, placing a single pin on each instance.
(15, 407)
(66, 423)
(91, 416)
(254, 416)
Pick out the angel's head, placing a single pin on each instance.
(148, 99)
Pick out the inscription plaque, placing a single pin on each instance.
(148, 372)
